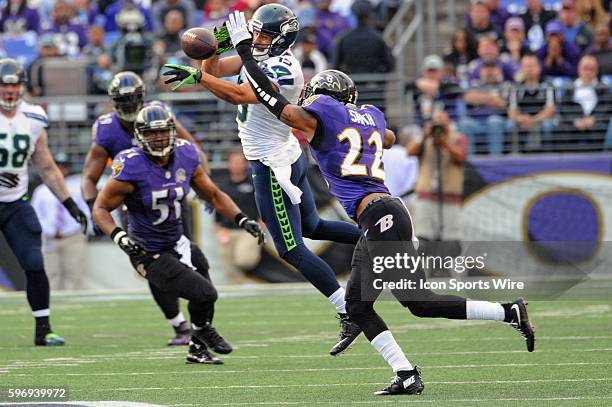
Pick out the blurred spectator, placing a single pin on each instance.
(17, 18)
(480, 21)
(575, 30)
(95, 45)
(312, 60)
(532, 105)
(170, 37)
(64, 246)
(216, 13)
(47, 49)
(487, 103)
(514, 39)
(306, 14)
(329, 26)
(134, 50)
(163, 7)
(363, 49)
(442, 153)
(488, 50)
(587, 107)
(69, 37)
(602, 49)
(238, 251)
(86, 13)
(558, 56)
(463, 51)
(432, 92)
(118, 6)
(100, 75)
(497, 14)
(591, 12)
(535, 19)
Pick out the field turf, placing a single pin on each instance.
(116, 351)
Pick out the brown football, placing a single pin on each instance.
(199, 43)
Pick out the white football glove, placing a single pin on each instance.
(237, 27)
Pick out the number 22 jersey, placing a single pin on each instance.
(348, 148)
(18, 137)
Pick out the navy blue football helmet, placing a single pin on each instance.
(333, 83)
(155, 130)
(127, 92)
(280, 23)
(11, 73)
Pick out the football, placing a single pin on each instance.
(199, 43)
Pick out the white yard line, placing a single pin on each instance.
(309, 385)
(331, 369)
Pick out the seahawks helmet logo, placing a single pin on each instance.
(290, 26)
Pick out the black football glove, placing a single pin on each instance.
(9, 180)
(224, 42)
(130, 246)
(250, 226)
(76, 213)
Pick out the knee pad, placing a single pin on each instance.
(31, 260)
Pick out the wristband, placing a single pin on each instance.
(117, 234)
(90, 203)
(70, 204)
(240, 218)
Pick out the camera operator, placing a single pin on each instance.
(439, 187)
(134, 50)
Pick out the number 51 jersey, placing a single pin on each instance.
(348, 149)
(18, 137)
(154, 207)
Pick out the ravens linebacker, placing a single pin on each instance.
(152, 180)
(23, 137)
(112, 133)
(347, 142)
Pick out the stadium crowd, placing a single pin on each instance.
(538, 78)
(527, 73)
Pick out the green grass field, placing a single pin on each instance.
(116, 351)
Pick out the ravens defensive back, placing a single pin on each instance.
(347, 142)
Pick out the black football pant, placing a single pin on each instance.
(169, 304)
(386, 219)
(171, 279)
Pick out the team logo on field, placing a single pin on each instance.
(385, 223)
(181, 176)
(117, 167)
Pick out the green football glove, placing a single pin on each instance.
(187, 75)
(224, 42)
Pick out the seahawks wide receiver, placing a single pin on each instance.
(23, 137)
(152, 180)
(282, 192)
(112, 133)
(347, 142)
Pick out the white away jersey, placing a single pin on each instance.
(18, 138)
(263, 136)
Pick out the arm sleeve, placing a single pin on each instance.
(259, 81)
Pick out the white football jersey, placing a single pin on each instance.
(263, 136)
(18, 138)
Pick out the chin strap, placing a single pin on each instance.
(263, 88)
